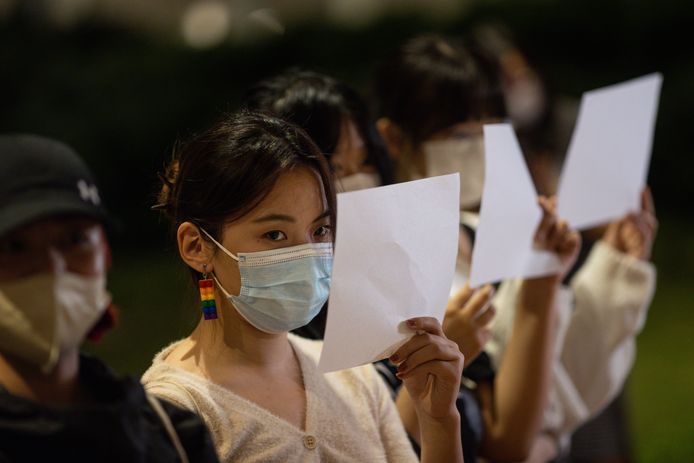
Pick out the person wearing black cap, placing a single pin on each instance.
(55, 402)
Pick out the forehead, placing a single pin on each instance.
(298, 191)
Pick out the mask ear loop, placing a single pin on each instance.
(226, 251)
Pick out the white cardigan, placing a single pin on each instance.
(350, 416)
(598, 318)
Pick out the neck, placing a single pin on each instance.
(60, 386)
(232, 341)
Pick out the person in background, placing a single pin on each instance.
(433, 96)
(543, 122)
(252, 204)
(55, 403)
(334, 116)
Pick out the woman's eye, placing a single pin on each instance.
(276, 235)
(323, 231)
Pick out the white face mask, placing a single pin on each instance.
(462, 155)
(358, 181)
(281, 289)
(46, 313)
(525, 101)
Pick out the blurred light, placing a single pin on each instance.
(206, 23)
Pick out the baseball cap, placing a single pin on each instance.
(40, 178)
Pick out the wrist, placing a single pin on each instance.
(443, 421)
(440, 438)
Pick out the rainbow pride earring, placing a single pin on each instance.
(206, 285)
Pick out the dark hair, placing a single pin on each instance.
(225, 172)
(318, 104)
(431, 82)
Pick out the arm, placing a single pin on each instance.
(513, 406)
(430, 367)
(192, 433)
(612, 292)
(512, 410)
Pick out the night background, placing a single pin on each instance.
(121, 80)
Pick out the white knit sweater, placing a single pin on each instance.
(350, 416)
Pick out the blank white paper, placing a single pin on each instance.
(509, 215)
(607, 162)
(394, 259)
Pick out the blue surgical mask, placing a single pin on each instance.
(281, 289)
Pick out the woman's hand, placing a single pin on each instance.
(430, 366)
(467, 315)
(554, 235)
(634, 234)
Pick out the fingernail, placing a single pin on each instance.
(394, 358)
(411, 323)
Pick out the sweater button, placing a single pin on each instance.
(310, 442)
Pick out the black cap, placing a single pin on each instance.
(41, 178)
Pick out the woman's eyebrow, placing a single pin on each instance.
(275, 217)
(323, 215)
(285, 218)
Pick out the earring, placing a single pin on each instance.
(206, 285)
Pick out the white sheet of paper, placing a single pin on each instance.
(394, 259)
(607, 162)
(509, 215)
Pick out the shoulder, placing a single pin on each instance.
(174, 384)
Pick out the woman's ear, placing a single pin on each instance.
(394, 138)
(193, 248)
(409, 163)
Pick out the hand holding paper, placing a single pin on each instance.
(634, 233)
(395, 253)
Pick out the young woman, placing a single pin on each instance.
(56, 404)
(433, 97)
(334, 116)
(252, 205)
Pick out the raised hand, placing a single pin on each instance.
(430, 366)
(556, 236)
(634, 233)
(467, 315)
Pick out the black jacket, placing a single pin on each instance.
(120, 427)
